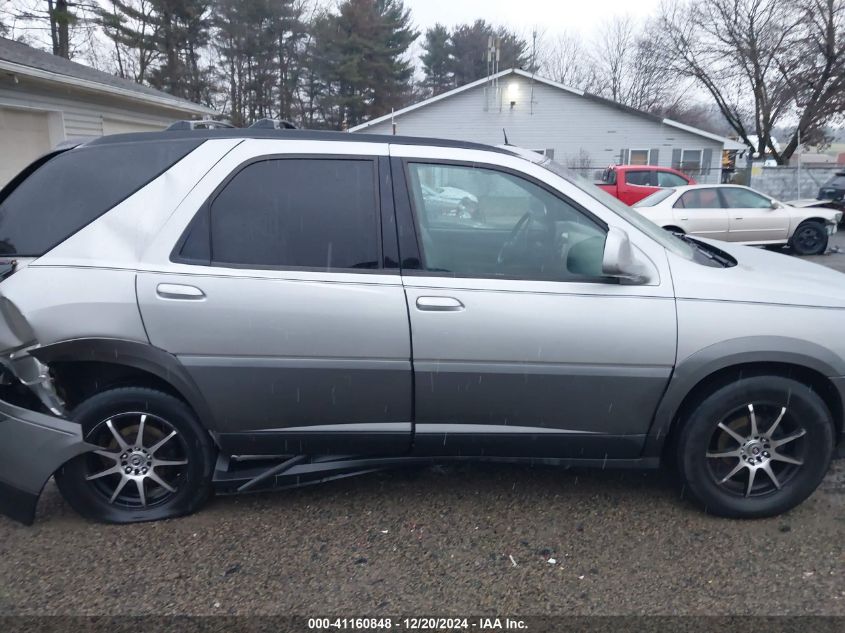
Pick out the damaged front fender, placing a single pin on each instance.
(32, 447)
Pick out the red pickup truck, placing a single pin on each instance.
(632, 183)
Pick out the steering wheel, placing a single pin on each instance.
(514, 237)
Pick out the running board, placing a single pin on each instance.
(232, 476)
(272, 472)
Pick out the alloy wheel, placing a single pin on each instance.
(141, 461)
(756, 450)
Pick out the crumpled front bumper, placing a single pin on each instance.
(32, 447)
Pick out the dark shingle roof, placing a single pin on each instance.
(18, 53)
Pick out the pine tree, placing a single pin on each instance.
(160, 42)
(360, 56)
(470, 43)
(438, 61)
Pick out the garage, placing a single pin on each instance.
(46, 99)
(24, 136)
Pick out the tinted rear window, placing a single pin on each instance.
(837, 181)
(291, 213)
(74, 188)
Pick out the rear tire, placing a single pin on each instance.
(810, 238)
(156, 460)
(738, 469)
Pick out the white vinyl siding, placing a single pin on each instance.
(579, 130)
(65, 114)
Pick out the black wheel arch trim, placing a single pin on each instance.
(137, 355)
(697, 367)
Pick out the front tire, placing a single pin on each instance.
(155, 459)
(810, 238)
(756, 447)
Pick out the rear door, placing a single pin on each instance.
(278, 301)
(752, 218)
(699, 212)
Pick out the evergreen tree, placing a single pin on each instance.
(470, 43)
(161, 42)
(360, 59)
(438, 60)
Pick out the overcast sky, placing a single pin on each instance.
(553, 16)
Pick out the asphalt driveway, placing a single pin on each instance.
(439, 540)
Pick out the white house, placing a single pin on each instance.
(577, 129)
(45, 100)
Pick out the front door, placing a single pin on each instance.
(752, 217)
(520, 346)
(278, 305)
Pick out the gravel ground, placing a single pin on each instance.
(454, 540)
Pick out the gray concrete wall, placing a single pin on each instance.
(783, 182)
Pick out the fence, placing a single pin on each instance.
(783, 183)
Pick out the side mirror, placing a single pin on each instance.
(620, 260)
(775, 205)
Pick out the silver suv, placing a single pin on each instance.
(229, 310)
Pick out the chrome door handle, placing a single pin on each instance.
(439, 304)
(180, 292)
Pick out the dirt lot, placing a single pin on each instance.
(441, 540)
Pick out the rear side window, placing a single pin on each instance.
(74, 188)
(699, 199)
(837, 181)
(291, 213)
(640, 178)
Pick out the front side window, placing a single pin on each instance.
(668, 179)
(292, 213)
(700, 199)
(744, 199)
(641, 178)
(481, 222)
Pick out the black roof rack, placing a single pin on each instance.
(203, 124)
(281, 134)
(273, 124)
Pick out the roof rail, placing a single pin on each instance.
(204, 124)
(273, 124)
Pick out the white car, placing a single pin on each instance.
(734, 213)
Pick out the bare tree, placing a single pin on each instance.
(567, 60)
(628, 68)
(764, 62)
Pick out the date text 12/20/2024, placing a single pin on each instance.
(417, 624)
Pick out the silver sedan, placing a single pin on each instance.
(734, 213)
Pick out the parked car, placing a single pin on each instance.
(632, 183)
(450, 202)
(738, 214)
(833, 191)
(244, 309)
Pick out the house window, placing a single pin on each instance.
(639, 157)
(691, 161)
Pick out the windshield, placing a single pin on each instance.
(655, 198)
(661, 236)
